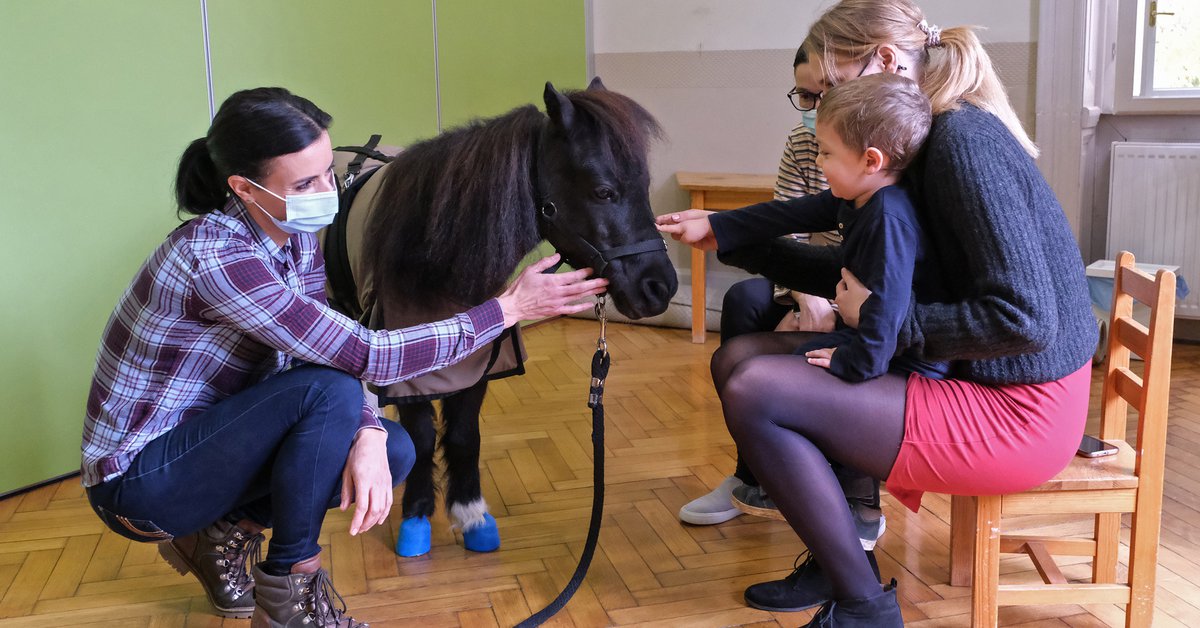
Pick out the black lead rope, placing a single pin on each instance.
(600, 363)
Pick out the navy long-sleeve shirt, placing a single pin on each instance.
(884, 246)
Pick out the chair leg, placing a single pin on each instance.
(1107, 535)
(1143, 563)
(962, 539)
(985, 609)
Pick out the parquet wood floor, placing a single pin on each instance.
(666, 444)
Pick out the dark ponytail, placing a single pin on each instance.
(198, 186)
(251, 128)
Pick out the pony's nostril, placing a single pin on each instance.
(657, 290)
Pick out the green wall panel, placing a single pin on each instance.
(98, 101)
(493, 56)
(368, 63)
(101, 96)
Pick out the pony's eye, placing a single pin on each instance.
(605, 194)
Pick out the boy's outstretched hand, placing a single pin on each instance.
(690, 227)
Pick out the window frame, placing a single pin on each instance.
(1132, 86)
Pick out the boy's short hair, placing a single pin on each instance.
(884, 110)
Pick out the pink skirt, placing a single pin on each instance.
(964, 438)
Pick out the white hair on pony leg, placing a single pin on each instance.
(467, 516)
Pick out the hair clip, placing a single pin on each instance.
(933, 34)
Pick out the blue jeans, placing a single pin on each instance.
(272, 453)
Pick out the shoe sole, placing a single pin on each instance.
(708, 518)
(180, 563)
(786, 609)
(766, 513)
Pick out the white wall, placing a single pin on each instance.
(714, 73)
(695, 25)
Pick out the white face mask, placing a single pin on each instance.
(307, 213)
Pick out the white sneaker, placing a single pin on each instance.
(713, 508)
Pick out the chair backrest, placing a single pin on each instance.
(1124, 389)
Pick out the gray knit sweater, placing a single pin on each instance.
(1021, 311)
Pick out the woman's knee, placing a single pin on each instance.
(745, 397)
(335, 395)
(748, 307)
(730, 355)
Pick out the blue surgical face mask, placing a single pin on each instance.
(307, 213)
(809, 118)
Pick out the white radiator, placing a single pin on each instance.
(1154, 209)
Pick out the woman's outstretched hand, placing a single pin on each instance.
(689, 227)
(851, 294)
(536, 295)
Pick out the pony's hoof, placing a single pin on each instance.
(414, 537)
(484, 537)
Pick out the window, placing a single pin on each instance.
(1157, 56)
(1170, 50)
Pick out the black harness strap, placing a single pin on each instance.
(595, 259)
(342, 287)
(362, 153)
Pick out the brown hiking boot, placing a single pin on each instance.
(218, 555)
(299, 599)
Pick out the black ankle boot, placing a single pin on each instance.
(878, 611)
(806, 587)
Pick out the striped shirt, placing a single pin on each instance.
(219, 307)
(800, 176)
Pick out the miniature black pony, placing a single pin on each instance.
(443, 226)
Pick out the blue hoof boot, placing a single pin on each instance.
(484, 537)
(414, 537)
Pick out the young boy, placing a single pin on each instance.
(870, 129)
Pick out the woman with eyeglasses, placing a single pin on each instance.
(1017, 322)
(760, 305)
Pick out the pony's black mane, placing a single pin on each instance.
(456, 213)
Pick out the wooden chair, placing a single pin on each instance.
(1130, 481)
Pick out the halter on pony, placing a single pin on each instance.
(548, 225)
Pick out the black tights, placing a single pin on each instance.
(750, 307)
(790, 419)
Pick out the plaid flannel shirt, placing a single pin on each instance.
(219, 307)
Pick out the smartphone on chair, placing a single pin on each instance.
(1092, 447)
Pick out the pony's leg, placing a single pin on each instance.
(417, 419)
(414, 537)
(460, 446)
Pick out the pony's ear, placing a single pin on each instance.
(597, 84)
(559, 107)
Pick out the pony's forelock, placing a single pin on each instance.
(627, 127)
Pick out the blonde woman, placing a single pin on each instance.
(1017, 322)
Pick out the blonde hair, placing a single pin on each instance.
(953, 66)
(885, 111)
